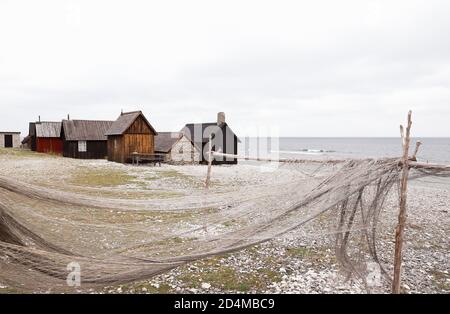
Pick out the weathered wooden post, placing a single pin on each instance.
(208, 175)
(406, 139)
(416, 151)
(135, 158)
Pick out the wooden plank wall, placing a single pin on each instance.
(49, 145)
(138, 138)
(141, 143)
(139, 127)
(116, 149)
(95, 150)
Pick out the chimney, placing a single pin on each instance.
(39, 119)
(68, 117)
(221, 118)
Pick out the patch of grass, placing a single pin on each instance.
(108, 177)
(96, 215)
(173, 240)
(271, 275)
(315, 255)
(227, 278)
(170, 174)
(168, 247)
(230, 223)
(101, 178)
(136, 195)
(162, 289)
(441, 280)
(209, 210)
(152, 178)
(301, 252)
(10, 290)
(24, 153)
(178, 176)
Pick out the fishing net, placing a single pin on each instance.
(43, 231)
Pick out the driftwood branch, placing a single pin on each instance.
(399, 232)
(210, 158)
(416, 151)
(429, 166)
(402, 135)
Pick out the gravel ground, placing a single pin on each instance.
(300, 262)
(303, 262)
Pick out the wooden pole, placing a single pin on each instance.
(424, 165)
(208, 175)
(416, 151)
(399, 231)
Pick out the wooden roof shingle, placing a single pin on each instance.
(48, 129)
(164, 141)
(85, 130)
(125, 120)
(199, 133)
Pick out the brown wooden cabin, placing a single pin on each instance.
(130, 133)
(45, 137)
(85, 139)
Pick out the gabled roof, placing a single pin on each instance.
(206, 129)
(125, 120)
(164, 141)
(85, 130)
(48, 129)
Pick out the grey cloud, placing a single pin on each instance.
(312, 69)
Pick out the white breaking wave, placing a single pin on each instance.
(303, 152)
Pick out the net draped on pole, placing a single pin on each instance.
(44, 230)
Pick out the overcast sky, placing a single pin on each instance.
(306, 68)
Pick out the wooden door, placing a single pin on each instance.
(8, 140)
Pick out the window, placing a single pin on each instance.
(82, 146)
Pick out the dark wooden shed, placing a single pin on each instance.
(85, 139)
(224, 140)
(130, 133)
(32, 135)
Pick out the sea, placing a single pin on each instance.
(433, 150)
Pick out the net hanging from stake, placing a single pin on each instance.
(42, 230)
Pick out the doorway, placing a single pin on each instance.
(8, 141)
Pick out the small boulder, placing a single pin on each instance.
(206, 285)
